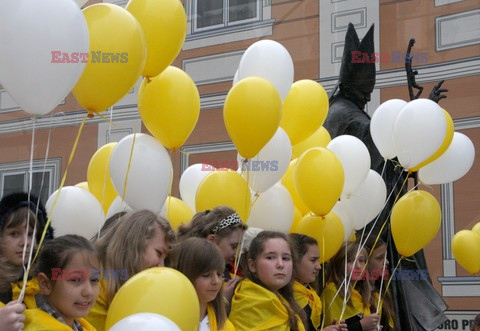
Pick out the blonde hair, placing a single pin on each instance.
(196, 256)
(134, 228)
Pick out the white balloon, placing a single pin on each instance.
(452, 165)
(77, 211)
(117, 206)
(381, 126)
(342, 212)
(145, 322)
(273, 210)
(31, 31)
(150, 174)
(418, 132)
(269, 165)
(367, 201)
(355, 160)
(190, 180)
(270, 60)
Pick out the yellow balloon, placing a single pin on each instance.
(287, 181)
(224, 187)
(327, 230)
(140, 294)
(116, 59)
(297, 216)
(83, 185)
(304, 110)
(466, 250)
(318, 179)
(319, 138)
(165, 25)
(178, 212)
(476, 228)
(252, 114)
(447, 140)
(169, 105)
(415, 221)
(98, 176)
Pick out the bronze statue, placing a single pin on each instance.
(417, 304)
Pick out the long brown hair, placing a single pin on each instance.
(196, 256)
(387, 305)
(336, 274)
(256, 249)
(203, 222)
(122, 247)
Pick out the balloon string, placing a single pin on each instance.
(25, 244)
(389, 281)
(248, 200)
(238, 256)
(323, 296)
(381, 282)
(344, 306)
(130, 158)
(62, 183)
(368, 235)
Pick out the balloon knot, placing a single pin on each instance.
(90, 114)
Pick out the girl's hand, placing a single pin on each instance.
(342, 326)
(229, 287)
(370, 322)
(12, 317)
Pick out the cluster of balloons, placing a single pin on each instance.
(443, 156)
(98, 54)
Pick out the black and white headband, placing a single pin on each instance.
(228, 221)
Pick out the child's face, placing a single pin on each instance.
(156, 250)
(359, 265)
(229, 244)
(208, 285)
(309, 266)
(273, 267)
(13, 240)
(377, 258)
(73, 296)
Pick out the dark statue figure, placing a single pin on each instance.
(417, 305)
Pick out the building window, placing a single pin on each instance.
(223, 13)
(14, 177)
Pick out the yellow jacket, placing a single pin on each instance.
(212, 319)
(333, 307)
(98, 314)
(31, 290)
(307, 296)
(38, 320)
(256, 308)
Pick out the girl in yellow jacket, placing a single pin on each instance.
(306, 272)
(264, 301)
(201, 261)
(15, 238)
(359, 313)
(68, 283)
(137, 241)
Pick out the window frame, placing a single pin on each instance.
(226, 20)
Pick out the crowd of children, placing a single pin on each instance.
(282, 288)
